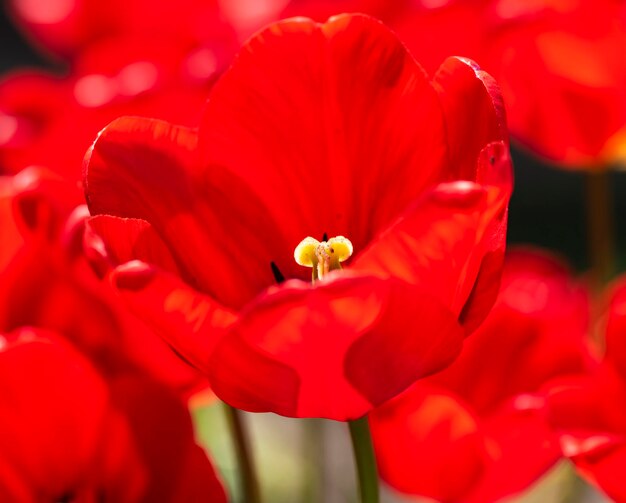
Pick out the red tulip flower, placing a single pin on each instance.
(320, 130)
(485, 414)
(70, 435)
(562, 68)
(45, 282)
(588, 413)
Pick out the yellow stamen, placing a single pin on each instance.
(323, 257)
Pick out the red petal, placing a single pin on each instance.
(586, 407)
(30, 104)
(66, 28)
(10, 236)
(521, 448)
(43, 287)
(145, 169)
(565, 112)
(320, 351)
(608, 472)
(544, 313)
(67, 432)
(433, 31)
(591, 420)
(42, 201)
(426, 430)
(616, 326)
(179, 468)
(440, 242)
(55, 417)
(289, 119)
(110, 241)
(423, 434)
(191, 322)
(474, 115)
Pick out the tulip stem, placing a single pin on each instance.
(600, 227)
(365, 459)
(248, 479)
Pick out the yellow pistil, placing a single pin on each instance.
(323, 257)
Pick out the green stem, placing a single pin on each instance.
(365, 459)
(314, 452)
(600, 227)
(249, 483)
(574, 487)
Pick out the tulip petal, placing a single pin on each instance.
(190, 322)
(521, 448)
(332, 343)
(179, 468)
(318, 149)
(10, 235)
(145, 169)
(544, 313)
(588, 415)
(474, 114)
(441, 241)
(110, 241)
(55, 414)
(616, 327)
(420, 435)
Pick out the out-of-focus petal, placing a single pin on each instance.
(544, 313)
(521, 448)
(162, 427)
(65, 27)
(591, 424)
(429, 444)
(55, 416)
(616, 327)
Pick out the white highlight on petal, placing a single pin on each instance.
(94, 90)
(45, 11)
(8, 128)
(137, 78)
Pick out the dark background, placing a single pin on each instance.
(547, 207)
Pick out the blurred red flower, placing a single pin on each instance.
(588, 413)
(72, 434)
(46, 282)
(66, 27)
(484, 416)
(315, 129)
(562, 68)
(48, 121)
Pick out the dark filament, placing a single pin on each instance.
(325, 237)
(278, 276)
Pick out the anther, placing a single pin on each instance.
(323, 257)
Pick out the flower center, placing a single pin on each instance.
(323, 257)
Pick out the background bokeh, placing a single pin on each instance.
(547, 209)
